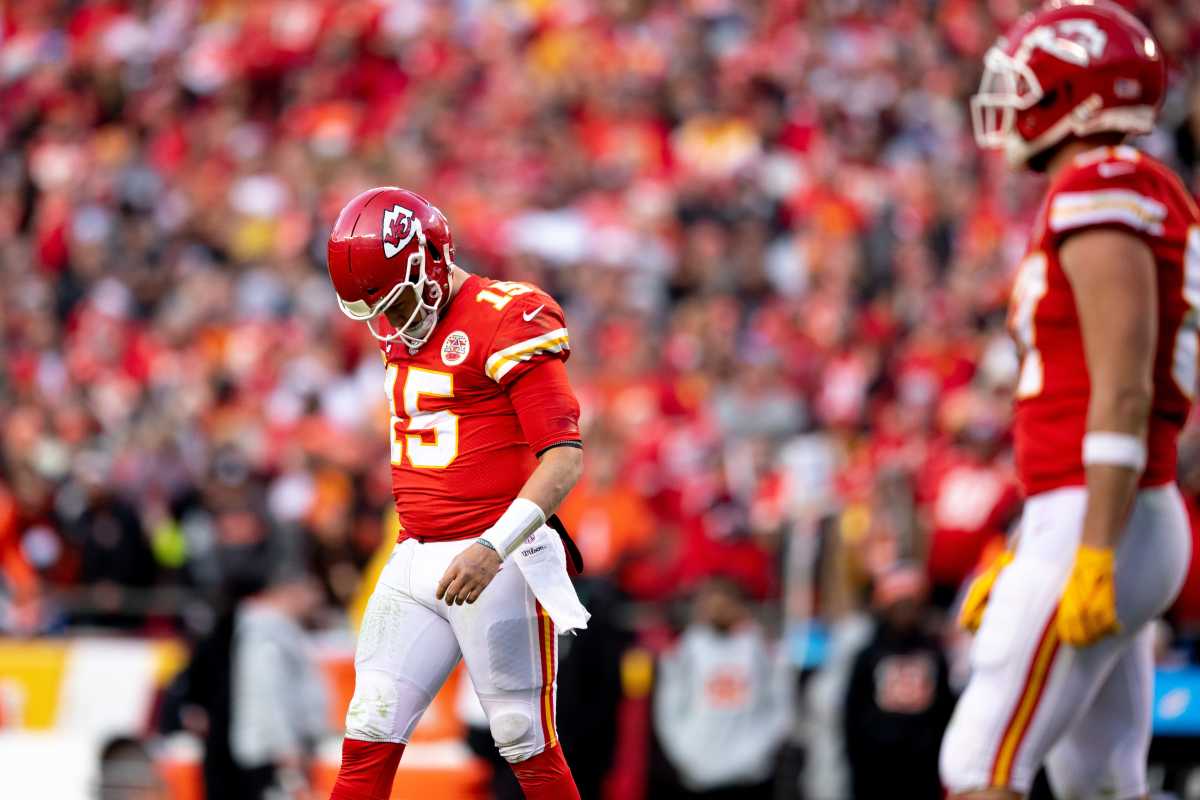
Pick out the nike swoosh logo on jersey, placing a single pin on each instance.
(529, 315)
(1112, 170)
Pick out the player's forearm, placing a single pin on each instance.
(1123, 410)
(557, 473)
(1123, 407)
(1110, 495)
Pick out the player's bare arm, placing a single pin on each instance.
(559, 469)
(1112, 277)
(472, 570)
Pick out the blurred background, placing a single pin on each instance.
(784, 264)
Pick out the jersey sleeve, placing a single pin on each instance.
(532, 329)
(1114, 192)
(546, 407)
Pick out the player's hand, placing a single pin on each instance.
(1088, 609)
(468, 575)
(970, 616)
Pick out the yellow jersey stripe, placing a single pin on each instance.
(500, 362)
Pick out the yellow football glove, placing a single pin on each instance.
(970, 616)
(1088, 609)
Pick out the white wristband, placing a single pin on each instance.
(520, 519)
(1116, 449)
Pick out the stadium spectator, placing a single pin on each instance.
(127, 772)
(590, 687)
(723, 699)
(966, 491)
(199, 701)
(278, 695)
(115, 555)
(898, 699)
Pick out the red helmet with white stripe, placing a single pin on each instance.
(1072, 68)
(392, 248)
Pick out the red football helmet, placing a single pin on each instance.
(386, 241)
(1072, 68)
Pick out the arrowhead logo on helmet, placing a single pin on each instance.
(389, 256)
(399, 227)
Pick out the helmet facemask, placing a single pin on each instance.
(1007, 86)
(419, 325)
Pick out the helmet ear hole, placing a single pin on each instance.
(1049, 98)
(433, 253)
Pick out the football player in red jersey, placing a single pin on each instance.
(1104, 310)
(484, 446)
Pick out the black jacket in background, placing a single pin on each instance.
(206, 682)
(898, 704)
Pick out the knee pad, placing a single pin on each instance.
(383, 708)
(513, 734)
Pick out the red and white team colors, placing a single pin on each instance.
(478, 390)
(459, 452)
(1071, 70)
(1112, 187)
(464, 439)
(1084, 713)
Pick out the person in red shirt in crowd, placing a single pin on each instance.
(967, 494)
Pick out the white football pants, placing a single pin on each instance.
(1085, 713)
(410, 641)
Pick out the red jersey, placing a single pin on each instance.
(969, 502)
(459, 453)
(1109, 187)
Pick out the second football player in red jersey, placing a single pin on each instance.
(484, 446)
(1105, 313)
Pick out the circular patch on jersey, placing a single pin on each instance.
(455, 347)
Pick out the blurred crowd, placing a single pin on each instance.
(783, 261)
